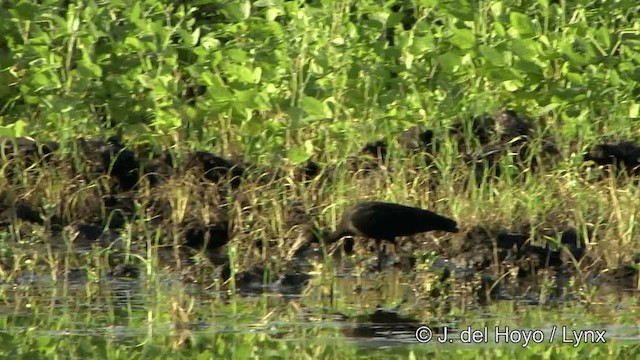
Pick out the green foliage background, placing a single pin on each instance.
(278, 73)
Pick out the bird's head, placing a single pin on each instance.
(450, 226)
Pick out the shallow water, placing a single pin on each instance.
(345, 302)
(369, 311)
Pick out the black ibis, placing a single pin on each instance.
(385, 221)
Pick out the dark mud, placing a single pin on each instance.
(190, 211)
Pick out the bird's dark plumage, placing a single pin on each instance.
(386, 221)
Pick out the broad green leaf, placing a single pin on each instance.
(210, 79)
(253, 127)
(186, 36)
(219, 95)
(449, 61)
(250, 99)
(135, 13)
(394, 19)
(236, 55)
(525, 48)
(296, 115)
(603, 37)
(521, 23)
(195, 36)
(238, 11)
(25, 10)
(242, 74)
(167, 120)
(492, 55)
(59, 21)
(499, 29)
(512, 85)
(93, 69)
(134, 42)
(547, 109)
(205, 355)
(527, 67)
(422, 44)
(301, 153)
(7, 131)
(338, 41)
(497, 7)
(146, 81)
(245, 7)
(272, 13)
(575, 57)
(209, 42)
(461, 9)
(265, 3)
(408, 61)
(428, 3)
(257, 75)
(634, 110)
(463, 38)
(380, 17)
(614, 78)
(38, 62)
(313, 107)
(19, 127)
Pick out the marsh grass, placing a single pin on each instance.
(555, 198)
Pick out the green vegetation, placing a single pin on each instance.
(277, 83)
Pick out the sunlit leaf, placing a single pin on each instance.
(634, 110)
(547, 109)
(525, 48)
(301, 153)
(463, 38)
(521, 23)
(512, 85)
(313, 107)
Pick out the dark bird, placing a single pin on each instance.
(384, 221)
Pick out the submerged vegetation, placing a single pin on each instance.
(172, 172)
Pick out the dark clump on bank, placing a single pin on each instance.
(369, 159)
(259, 279)
(120, 210)
(110, 158)
(26, 149)
(416, 139)
(307, 171)
(626, 276)
(483, 248)
(476, 130)
(379, 323)
(208, 236)
(618, 156)
(514, 140)
(375, 149)
(484, 143)
(214, 168)
(24, 156)
(125, 271)
(509, 125)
